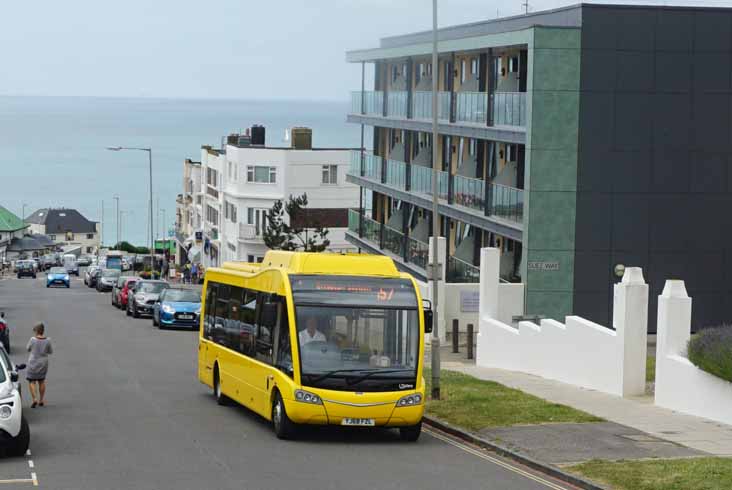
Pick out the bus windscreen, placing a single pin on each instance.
(353, 290)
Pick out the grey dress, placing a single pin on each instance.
(38, 360)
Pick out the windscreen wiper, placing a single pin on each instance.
(375, 371)
(331, 373)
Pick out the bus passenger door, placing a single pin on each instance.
(264, 378)
(205, 354)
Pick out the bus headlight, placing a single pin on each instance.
(5, 412)
(410, 400)
(307, 397)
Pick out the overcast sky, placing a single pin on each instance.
(213, 48)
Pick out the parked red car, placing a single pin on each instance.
(124, 292)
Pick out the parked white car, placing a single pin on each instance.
(14, 430)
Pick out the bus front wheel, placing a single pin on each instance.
(283, 427)
(221, 399)
(411, 433)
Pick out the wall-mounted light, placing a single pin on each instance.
(619, 270)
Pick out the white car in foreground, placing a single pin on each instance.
(14, 431)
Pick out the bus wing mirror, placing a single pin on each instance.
(427, 321)
(269, 315)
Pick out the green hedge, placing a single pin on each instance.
(711, 351)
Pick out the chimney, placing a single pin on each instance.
(258, 135)
(302, 138)
(232, 139)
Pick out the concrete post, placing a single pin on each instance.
(674, 319)
(490, 266)
(440, 317)
(630, 319)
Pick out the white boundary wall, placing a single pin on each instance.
(680, 385)
(577, 352)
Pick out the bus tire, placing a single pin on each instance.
(410, 433)
(284, 428)
(221, 399)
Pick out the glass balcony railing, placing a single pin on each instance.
(353, 218)
(460, 271)
(506, 202)
(354, 168)
(417, 252)
(472, 107)
(396, 174)
(469, 192)
(373, 103)
(422, 105)
(422, 181)
(371, 165)
(371, 230)
(393, 241)
(509, 109)
(396, 104)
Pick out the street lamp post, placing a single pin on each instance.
(435, 344)
(152, 235)
(116, 198)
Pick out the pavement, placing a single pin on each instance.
(665, 431)
(125, 411)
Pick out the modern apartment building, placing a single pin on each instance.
(577, 140)
(228, 195)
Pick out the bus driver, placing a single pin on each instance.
(311, 333)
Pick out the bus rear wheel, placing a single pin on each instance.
(284, 428)
(410, 433)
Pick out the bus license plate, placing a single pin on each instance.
(366, 422)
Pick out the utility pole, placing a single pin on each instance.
(525, 4)
(436, 269)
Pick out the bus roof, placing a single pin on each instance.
(320, 263)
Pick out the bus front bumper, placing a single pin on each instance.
(339, 411)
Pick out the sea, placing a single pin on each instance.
(53, 150)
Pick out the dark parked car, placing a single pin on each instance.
(107, 279)
(26, 268)
(143, 297)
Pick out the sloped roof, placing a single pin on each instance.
(62, 220)
(10, 222)
(26, 244)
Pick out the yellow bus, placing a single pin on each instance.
(325, 339)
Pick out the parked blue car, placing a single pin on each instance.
(58, 276)
(177, 307)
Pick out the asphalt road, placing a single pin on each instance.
(125, 411)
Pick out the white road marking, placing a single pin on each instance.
(30, 463)
(497, 461)
(20, 480)
(35, 478)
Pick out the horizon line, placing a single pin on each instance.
(191, 98)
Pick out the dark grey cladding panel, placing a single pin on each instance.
(672, 120)
(635, 71)
(599, 69)
(633, 116)
(593, 306)
(562, 17)
(630, 222)
(593, 221)
(592, 271)
(670, 170)
(675, 30)
(673, 71)
(713, 30)
(710, 122)
(709, 172)
(596, 169)
(632, 171)
(597, 116)
(711, 72)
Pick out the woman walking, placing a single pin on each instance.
(40, 348)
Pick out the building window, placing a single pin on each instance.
(261, 174)
(89, 250)
(52, 237)
(212, 177)
(474, 67)
(330, 174)
(212, 215)
(90, 236)
(462, 71)
(258, 218)
(230, 211)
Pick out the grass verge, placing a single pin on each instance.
(474, 404)
(651, 368)
(668, 474)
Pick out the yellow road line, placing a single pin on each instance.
(497, 461)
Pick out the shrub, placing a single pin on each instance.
(711, 351)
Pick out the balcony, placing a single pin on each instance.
(386, 239)
(491, 206)
(509, 109)
(373, 103)
(396, 104)
(212, 192)
(422, 105)
(248, 232)
(472, 107)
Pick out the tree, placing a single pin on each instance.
(299, 232)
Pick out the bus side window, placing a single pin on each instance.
(208, 319)
(221, 314)
(248, 323)
(264, 332)
(283, 359)
(232, 322)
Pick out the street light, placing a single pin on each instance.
(435, 344)
(152, 236)
(116, 198)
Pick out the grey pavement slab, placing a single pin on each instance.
(125, 411)
(571, 443)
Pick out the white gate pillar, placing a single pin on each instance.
(630, 319)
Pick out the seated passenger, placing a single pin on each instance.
(311, 333)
